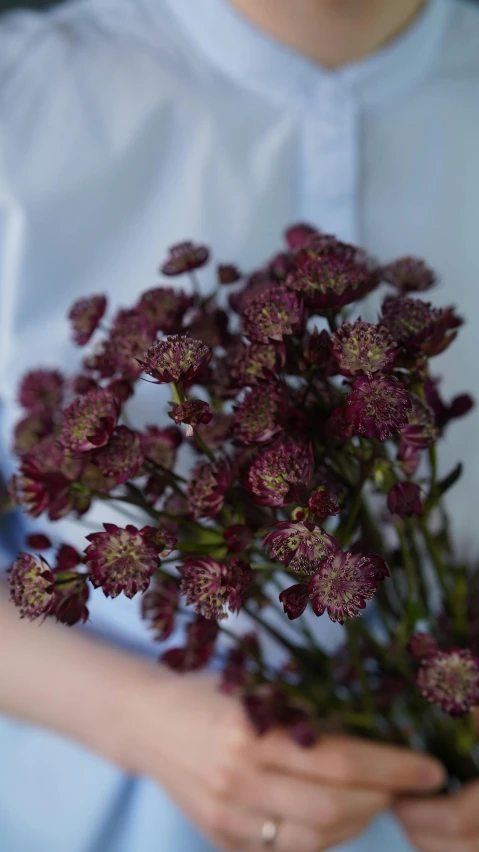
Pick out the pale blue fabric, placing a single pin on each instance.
(127, 125)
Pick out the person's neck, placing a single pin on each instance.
(331, 32)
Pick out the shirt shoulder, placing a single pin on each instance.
(460, 55)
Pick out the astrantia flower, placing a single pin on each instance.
(259, 362)
(160, 538)
(38, 541)
(363, 347)
(83, 384)
(301, 546)
(121, 389)
(342, 586)
(212, 586)
(45, 480)
(273, 314)
(184, 257)
(278, 471)
(450, 679)
(207, 486)
(30, 430)
(259, 417)
(216, 432)
(31, 586)
(418, 326)
(160, 445)
(176, 359)
(121, 457)
(120, 560)
(85, 316)
(324, 503)
(330, 274)
(443, 413)
(297, 236)
(404, 499)
(422, 645)
(71, 596)
(41, 391)
(238, 537)
(227, 273)
(280, 266)
(317, 352)
(409, 275)
(164, 308)
(420, 430)
(191, 413)
(89, 421)
(295, 599)
(268, 707)
(159, 606)
(377, 406)
(200, 643)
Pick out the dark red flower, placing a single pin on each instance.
(38, 541)
(238, 537)
(212, 586)
(273, 314)
(404, 499)
(228, 274)
(420, 430)
(121, 389)
(210, 325)
(342, 585)
(267, 707)
(45, 480)
(295, 600)
(83, 384)
(216, 432)
(89, 421)
(301, 546)
(298, 236)
(363, 347)
(207, 486)
(422, 645)
(260, 416)
(85, 315)
(378, 406)
(258, 362)
(339, 426)
(121, 458)
(159, 606)
(278, 471)
(317, 352)
(30, 430)
(67, 558)
(120, 560)
(443, 413)
(418, 326)
(184, 257)
(165, 308)
(191, 413)
(71, 596)
(31, 586)
(280, 266)
(409, 275)
(160, 538)
(200, 644)
(176, 359)
(323, 502)
(41, 391)
(160, 445)
(450, 679)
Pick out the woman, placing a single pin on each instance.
(126, 126)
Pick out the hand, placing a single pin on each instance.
(443, 824)
(197, 743)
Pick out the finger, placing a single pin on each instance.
(350, 761)
(435, 843)
(455, 815)
(315, 804)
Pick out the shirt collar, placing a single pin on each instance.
(261, 63)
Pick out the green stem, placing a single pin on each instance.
(436, 557)
(366, 695)
(203, 447)
(344, 535)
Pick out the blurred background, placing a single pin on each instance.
(36, 4)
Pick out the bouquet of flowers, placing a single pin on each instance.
(298, 478)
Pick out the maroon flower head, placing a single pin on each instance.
(41, 391)
(295, 600)
(212, 586)
(71, 596)
(273, 314)
(280, 266)
(409, 275)
(191, 413)
(324, 503)
(159, 606)
(268, 707)
(200, 644)
(418, 326)
(160, 538)
(45, 478)
(342, 585)
(122, 457)
(420, 430)
(238, 538)
(259, 417)
(176, 359)
(330, 274)
(404, 499)
(38, 541)
(298, 236)
(421, 645)
(207, 487)
(216, 432)
(228, 274)
(160, 445)
(120, 560)
(83, 384)
(317, 352)
(258, 362)
(31, 586)
(450, 679)
(278, 471)
(89, 421)
(121, 389)
(301, 546)
(378, 406)
(184, 257)
(67, 558)
(85, 316)
(460, 405)
(363, 347)
(30, 430)
(164, 308)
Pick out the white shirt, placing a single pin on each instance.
(128, 125)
